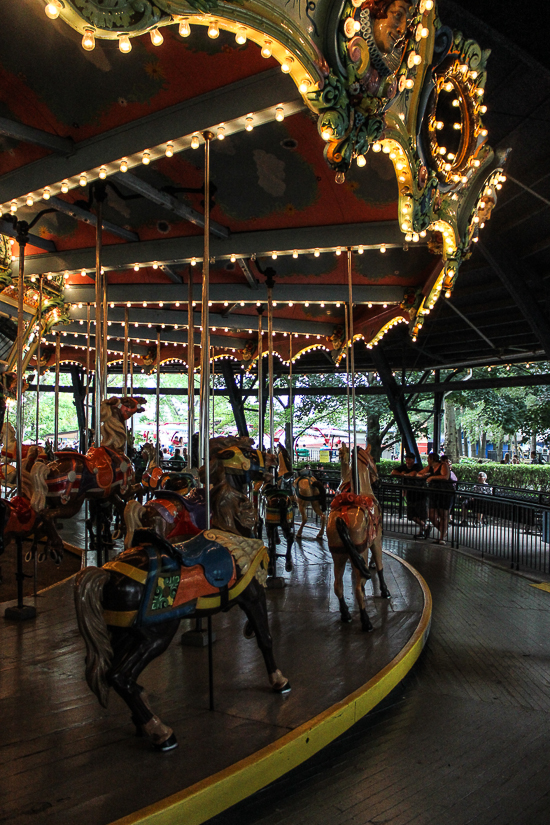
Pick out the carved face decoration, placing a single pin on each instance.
(389, 31)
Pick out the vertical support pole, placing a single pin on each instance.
(158, 398)
(22, 238)
(438, 413)
(260, 382)
(39, 356)
(270, 363)
(100, 381)
(290, 447)
(348, 401)
(213, 394)
(56, 398)
(88, 382)
(354, 472)
(79, 396)
(125, 354)
(132, 384)
(190, 372)
(205, 338)
(235, 397)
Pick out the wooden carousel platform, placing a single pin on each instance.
(64, 759)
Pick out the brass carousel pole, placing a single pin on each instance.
(158, 398)
(125, 355)
(290, 402)
(352, 365)
(348, 401)
(39, 355)
(205, 337)
(213, 395)
(88, 378)
(100, 378)
(190, 371)
(20, 611)
(260, 383)
(270, 284)
(56, 395)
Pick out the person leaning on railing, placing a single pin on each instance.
(442, 483)
(417, 509)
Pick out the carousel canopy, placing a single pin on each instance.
(432, 170)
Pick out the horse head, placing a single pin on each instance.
(366, 460)
(125, 407)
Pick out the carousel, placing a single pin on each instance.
(213, 189)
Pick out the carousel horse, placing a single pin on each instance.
(104, 474)
(176, 512)
(310, 491)
(129, 610)
(355, 525)
(153, 472)
(9, 446)
(278, 512)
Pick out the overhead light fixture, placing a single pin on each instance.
(213, 29)
(124, 165)
(240, 36)
(169, 151)
(102, 172)
(146, 158)
(88, 40)
(156, 37)
(195, 141)
(286, 65)
(52, 10)
(266, 48)
(184, 27)
(124, 44)
(279, 113)
(221, 132)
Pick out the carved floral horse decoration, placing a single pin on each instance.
(129, 610)
(355, 525)
(105, 472)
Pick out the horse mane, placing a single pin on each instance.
(113, 430)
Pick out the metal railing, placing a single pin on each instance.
(504, 522)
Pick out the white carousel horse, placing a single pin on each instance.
(355, 526)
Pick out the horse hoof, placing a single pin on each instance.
(385, 593)
(288, 567)
(248, 633)
(372, 565)
(282, 688)
(168, 744)
(345, 618)
(366, 624)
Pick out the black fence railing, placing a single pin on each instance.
(508, 523)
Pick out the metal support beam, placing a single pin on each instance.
(235, 397)
(79, 393)
(28, 134)
(83, 215)
(243, 245)
(251, 280)
(396, 400)
(7, 228)
(168, 202)
(470, 324)
(173, 276)
(515, 276)
(223, 104)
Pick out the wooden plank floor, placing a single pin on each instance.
(65, 760)
(464, 739)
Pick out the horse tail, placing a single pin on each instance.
(39, 474)
(88, 591)
(133, 515)
(355, 557)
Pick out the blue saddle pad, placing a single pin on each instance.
(214, 558)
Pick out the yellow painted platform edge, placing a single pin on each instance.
(211, 796)
(545, 586)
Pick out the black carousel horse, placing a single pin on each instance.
(130, 609)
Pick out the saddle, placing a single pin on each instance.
(21, 516)
(152, 479)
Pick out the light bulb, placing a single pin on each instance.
(439, 125)
(13, 207)
(156, 37)
(274, 256)
(169, 151)
(155, 266)
(83, 180)
(213, 29)
(326, 134)
(221, 132)
(360, 250)
(193, 261)
(361, 160)
(233, 259)
(136, 267)
(338, 250)
(195, 141)
(52, 10)
(304, 85)
(146, 158)
(124, 165)
(424, 32)
(295, 254)
(286, 65)
(249, 123)
(316, 253)
(102, 172)
(30, 200)
(124, 44)
(383, 248)
(448, 86)
(279, 113)
(417, 60)
(184, 28)
(46, 193)
(409, 83)
(240, 36)
(266, 48)
(88, 40)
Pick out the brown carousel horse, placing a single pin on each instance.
(129, 610)
(105, 473)
(355, 525)
(153, 472)
(310, 491)
(278, 512)
(8, 472)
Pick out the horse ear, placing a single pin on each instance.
(111, 401)
(367, 449)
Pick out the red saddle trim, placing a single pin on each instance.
(99, 463)
(193, 584)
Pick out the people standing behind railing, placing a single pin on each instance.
(442, 483)
(417, 507)
(474, 505)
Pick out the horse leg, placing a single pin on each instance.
(272, 567)
(359, 587)
(289, 536)
(340, 560)
(303, 513)
(252, 601)
(376, 550)
(133, 650)
(323, 517)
